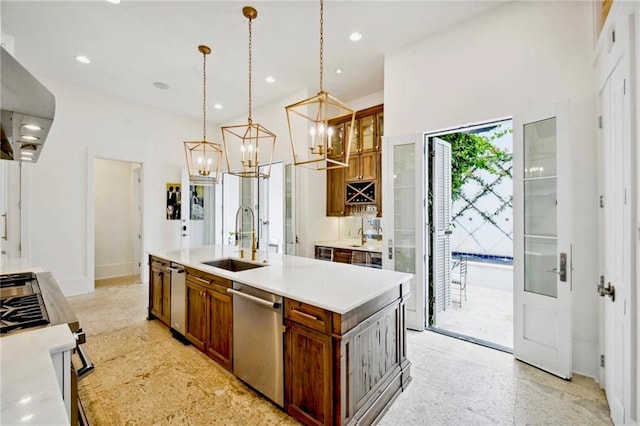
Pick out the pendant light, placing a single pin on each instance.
(203, 157)
(251, 144)
(309, 120)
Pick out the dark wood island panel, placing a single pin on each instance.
(345, 369)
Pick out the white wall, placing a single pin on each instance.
(114, 233)
(520, 56)
(60, 204)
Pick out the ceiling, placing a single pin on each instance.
(136, 43)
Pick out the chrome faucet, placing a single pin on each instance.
(239, 231)
(379, 232)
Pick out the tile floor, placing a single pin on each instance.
(145, 377)
(486, 314)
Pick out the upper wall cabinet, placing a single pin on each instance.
(360, 183)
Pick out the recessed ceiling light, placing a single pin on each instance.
(29, 137)
(31, 127)
(83, 59)
(26, 158)
(217, 106)
(29, 153)
(270, 79)
(114, 1)
(338, 70)
(355, 36)
(160, 85)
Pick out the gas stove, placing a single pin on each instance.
(21, 303)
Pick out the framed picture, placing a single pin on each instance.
(196, 202)
(173, 201)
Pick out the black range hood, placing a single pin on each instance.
(27, 109)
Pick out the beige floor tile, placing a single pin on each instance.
(144, 376)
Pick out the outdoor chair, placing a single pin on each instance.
(459, 278)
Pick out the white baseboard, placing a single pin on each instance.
(586, 358)
(113, 270)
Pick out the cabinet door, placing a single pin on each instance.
(352, 172)
(220, 328)
(196, 314)
(367, 134)
(355, 136)
(156, 292)
(368, 165)
(335, 192)
(166, 297)
(308, 380)
(337, 140)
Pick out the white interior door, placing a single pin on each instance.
(404, 219)
(440, 155)
(542, 240)
(137, 219)
(617, 227)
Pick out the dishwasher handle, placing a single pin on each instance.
(274, 305)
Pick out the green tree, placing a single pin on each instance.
(471, 152)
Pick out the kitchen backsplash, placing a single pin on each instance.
(348, 227)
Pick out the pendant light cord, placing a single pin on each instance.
(250, 69)
(204, 97)
(321, 43)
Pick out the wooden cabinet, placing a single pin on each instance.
(308, 364)
(360, 183)
(210, 316)
(159, 290)
(345, 369)
(335, 192)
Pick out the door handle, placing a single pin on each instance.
(390, 249)
(448, 232)
(563, 268)
(6, 227)
(607, 290)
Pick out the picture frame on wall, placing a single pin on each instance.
(173, 201)
(196, 202)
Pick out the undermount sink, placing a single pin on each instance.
(233, 265)
(355, 245)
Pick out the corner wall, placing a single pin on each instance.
(517, 57)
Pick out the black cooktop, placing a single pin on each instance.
(24, 307)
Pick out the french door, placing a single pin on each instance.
(542, 240)
(440, 165)
(403, 203)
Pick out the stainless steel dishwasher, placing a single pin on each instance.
(258, 357)
(178, 299)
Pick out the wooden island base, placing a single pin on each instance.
(345, 369)
(339, 369)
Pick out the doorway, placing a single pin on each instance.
(471, 272)
(117, 218)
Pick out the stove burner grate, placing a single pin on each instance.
(20, 312)
(14, 280)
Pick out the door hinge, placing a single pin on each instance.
(613, 36)
(600, 122)
(624, 86)
(602, 361)
(602, 201)
(432, 153)
(139, 265)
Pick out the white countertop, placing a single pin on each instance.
(30, 391)
(334, 286)
(372, 246)
(15, 266)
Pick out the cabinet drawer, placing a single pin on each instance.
(159, 263)
(342, 255)
(208, 277)
(308, 315)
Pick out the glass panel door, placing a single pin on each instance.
(403, 220)
(540, 207)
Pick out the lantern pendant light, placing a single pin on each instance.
(203, 158)
(249, 147)
(308, 122)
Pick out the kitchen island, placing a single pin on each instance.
(344, 332)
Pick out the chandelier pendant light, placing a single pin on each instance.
(249, 147)
(309, 130)
(203, 158)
